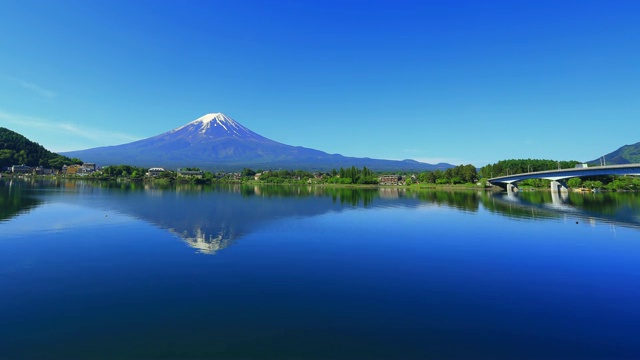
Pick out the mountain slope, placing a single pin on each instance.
(16, 149)
(628, 154)
(217, 142)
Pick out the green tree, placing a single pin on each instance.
(246, 172)
(574, 182)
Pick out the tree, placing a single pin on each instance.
(246, 172)
(574, 182)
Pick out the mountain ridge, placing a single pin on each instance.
(218, 142)
(626, 154)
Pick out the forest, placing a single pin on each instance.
(16, 149)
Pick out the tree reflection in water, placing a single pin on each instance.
(211, 218)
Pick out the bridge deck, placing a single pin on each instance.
(626, 169)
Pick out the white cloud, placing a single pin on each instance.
(39, 90)
(46, 93)
(66, 130)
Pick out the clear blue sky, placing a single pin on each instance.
(455, 81)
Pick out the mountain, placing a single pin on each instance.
(217, 142)
(16, 149)
(628, 154)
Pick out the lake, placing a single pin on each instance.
(121, 270)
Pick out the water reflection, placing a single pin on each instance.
(211, 218)
(461, 200)
(615, 208)
(13, 201)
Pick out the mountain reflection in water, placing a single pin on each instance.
(211, 218)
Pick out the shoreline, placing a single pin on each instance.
(413, 187)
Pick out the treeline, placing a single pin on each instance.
(517, 166)
(126, 171)
(353, 175)
(350, 175)
(462, 174)
(16, 149)
(280, 176)
(615, 183)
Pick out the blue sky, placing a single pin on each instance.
(456, 81)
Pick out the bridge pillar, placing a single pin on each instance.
(559, 186)
(511, 188)
(559, 198)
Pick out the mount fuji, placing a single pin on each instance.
(217, 142)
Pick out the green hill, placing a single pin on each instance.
(16, 149)
(628, 154)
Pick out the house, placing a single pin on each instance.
(156, 171)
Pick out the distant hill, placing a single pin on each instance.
(16, 149)
(217, 142)
(628, 154)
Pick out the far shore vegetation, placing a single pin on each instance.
(458, 177)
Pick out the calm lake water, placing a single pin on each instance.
(98, 270)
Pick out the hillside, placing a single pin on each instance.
(628, 154)
(16, 149)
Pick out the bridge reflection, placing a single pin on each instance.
(612, 208)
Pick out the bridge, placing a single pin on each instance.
(557, 176)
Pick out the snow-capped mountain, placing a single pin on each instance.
(217, 142)
(212, 126)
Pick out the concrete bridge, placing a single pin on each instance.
(557, 176)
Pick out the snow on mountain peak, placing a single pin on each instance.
(217, 123)
(215, 119)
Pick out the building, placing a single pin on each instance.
(190, 173)
(21, 169)
(86, 169)
(391, 180)
(156, 171)
(89, 167)
(43, 171)
(70, 170)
